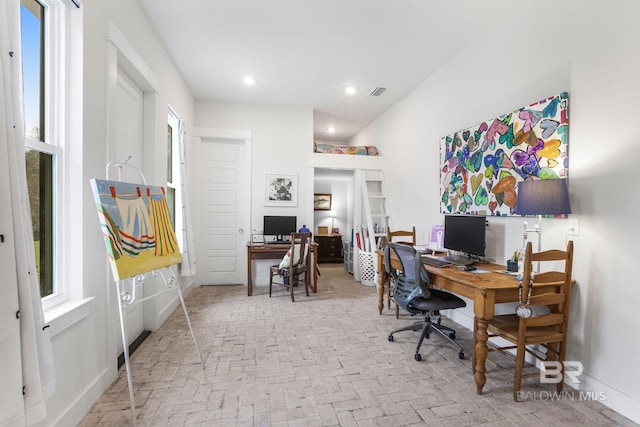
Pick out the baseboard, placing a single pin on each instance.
(174, 303)
(460, 317)
(618, 401)
(75, 412)
(78, 409)
(133, 346)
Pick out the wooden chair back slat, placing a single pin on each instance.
(544, 320)
(548, 299)
(549, 255)
(411, 234)
(550, 277)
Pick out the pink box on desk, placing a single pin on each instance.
(437, 237)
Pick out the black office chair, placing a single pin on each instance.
(412, 293)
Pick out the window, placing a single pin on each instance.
(45, 28)
(40, 154)
(171, 186)
(173, 174)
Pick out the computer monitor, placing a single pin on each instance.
(465, 234)
(279, 226)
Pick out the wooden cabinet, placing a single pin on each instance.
(329, 247)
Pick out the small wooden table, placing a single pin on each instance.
(277, 251)
(486, 289)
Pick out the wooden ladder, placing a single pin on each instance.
(376, 210)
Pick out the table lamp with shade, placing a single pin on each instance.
(542, 197)
(332, 214)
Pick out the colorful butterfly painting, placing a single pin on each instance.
(481, 166)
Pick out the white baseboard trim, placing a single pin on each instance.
(79, 408)
(617, 400)
(174, 303)
(75, 412)
(591, 388)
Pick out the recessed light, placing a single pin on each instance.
(332, 130)
(248, 80)
(350, 90)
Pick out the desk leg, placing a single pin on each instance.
(480, 354)
(484, 302)
(315, 270)
(473, 345)
(381, 283)
(249, 277)
(307, 275)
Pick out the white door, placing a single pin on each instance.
(223, 186)
(128, 142)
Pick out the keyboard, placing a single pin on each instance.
(435, 262)
(458, 260)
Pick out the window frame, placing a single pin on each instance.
(62, 95)
(173, 121)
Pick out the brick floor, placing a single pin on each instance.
(322, 361)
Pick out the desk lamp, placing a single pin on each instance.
(542, 197)
(332, 214)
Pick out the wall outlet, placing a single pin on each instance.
(574, 227)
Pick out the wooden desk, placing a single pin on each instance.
(277, 251)
(485, 289)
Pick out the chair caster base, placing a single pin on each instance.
(417, 357)
(461, 355)
(390, 338)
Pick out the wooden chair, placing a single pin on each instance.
(550, 293)
(404, 234)
(296, 270)
(409, 238)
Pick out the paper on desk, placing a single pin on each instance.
(510, 273)
(476, 271)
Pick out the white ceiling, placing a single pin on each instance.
(305, 52)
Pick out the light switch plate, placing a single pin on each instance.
(574, 227)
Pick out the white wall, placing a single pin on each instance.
(281, 137)
(537, 51)
(341, 189)
(84, 353)
(593, 54)
(323, 218)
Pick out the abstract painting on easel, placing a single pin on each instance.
(136, 227)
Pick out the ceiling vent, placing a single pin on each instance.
(377, 91)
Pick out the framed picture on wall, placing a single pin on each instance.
(281, 190)
(322, 202)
